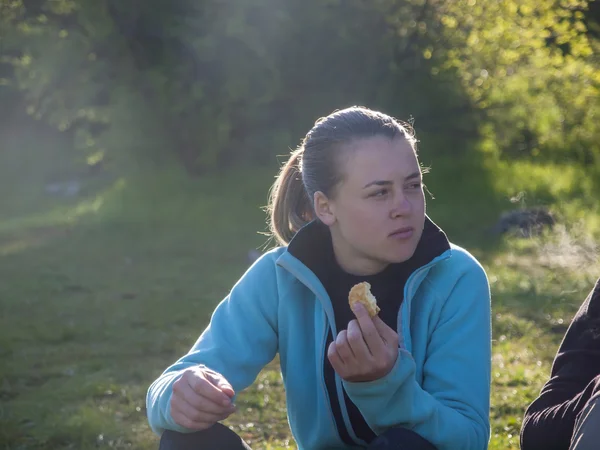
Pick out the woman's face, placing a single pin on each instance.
(377, 213)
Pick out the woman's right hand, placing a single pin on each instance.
(201, 398)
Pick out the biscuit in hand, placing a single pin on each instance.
(361, 293)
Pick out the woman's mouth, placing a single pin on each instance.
(402, 233)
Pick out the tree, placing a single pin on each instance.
(530, 66)
(212, 82)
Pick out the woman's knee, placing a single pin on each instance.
(172, 440)
(398, 438)
(216, 437)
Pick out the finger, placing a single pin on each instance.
(182, 418)
(359, 310)
(179, 415)
(201, 386)
(370, 333)
(198, 417)
(343, 347)
(182, 391)
(202, 403)
(335, 359)
(356, 341)
(185, 422)
(389, 336)
(219, 380)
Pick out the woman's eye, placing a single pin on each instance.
(380, 193)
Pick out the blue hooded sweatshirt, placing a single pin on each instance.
(439, 386)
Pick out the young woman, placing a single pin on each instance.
(347, 207)
(566, 415)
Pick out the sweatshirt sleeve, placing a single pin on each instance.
(239, 341)
(451, 407)
(549, 421)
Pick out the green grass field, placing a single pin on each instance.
(99, 293)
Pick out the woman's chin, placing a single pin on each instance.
(400, 256)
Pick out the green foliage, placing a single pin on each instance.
(215, 82)
(530, 66)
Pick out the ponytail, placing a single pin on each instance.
(289, 206)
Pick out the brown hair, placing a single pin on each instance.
(314, 165)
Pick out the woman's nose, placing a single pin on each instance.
(402, 206)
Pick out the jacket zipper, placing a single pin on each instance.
(322, 355)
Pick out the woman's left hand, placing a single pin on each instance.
(366, 351)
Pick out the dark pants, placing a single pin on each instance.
(222, 438)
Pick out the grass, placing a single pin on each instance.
(101, 292)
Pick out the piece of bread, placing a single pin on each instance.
(361, 293)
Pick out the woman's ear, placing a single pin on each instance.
(323, 208)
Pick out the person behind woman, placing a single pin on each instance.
(347, 207)
(566, 415)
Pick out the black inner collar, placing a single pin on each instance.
(313, 247)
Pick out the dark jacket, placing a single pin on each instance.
(575, 379)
